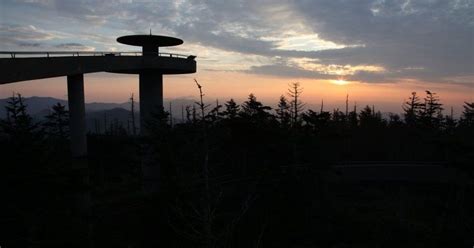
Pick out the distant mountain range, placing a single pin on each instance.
(98, 114)
(42, 105)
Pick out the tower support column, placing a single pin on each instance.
(77, 115)
(151, 97)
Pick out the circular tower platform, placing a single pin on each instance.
(150, 43)
(149, 40)
(152, 67)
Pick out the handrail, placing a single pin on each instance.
(47, 54)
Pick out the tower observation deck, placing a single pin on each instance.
(149, 64)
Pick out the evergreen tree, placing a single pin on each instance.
(21, 134)
(57, 122)
(467, 117)
(283, 112)
(431, 111)
(394, 120)
(18, 122)
(449, 123)
(316, 121)
(338, 116)
(158, 123)
(412, 109)
(232, 109)
(366, 116)
(255, 109)
(369, 118)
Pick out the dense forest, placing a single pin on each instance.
(238, 175)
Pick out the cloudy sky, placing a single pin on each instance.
(377, 51)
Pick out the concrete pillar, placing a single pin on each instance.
(150, 50)
(77, 115)
(151, 97)
(77, 129)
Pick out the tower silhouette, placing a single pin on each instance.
(149, 64)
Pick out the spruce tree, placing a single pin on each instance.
(431, 113)
(467, 117)
(366, 117)
(283, 112)
(232, 109)
(255, 109)
(18, 122)
(57, 122)
(412, 108)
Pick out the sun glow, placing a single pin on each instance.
(340, 82)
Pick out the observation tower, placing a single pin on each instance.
(151, 79)
(149, 64)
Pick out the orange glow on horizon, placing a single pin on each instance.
(339, 82)
(103, 87)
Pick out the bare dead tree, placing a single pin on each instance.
(198, 220)
(347, 105)
(201, 104)
(322, 106)
(208, 213)
(295, 91)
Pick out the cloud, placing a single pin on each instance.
(12, 36)
(28, 44)
(74, 47)
(26, 32)
(282, 70)
(436, 35)
(372, 77)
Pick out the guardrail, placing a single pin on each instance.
(48, 54)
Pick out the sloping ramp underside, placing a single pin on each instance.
(22, 69)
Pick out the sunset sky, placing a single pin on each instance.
(377, 51)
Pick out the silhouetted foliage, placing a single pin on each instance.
(18, 124)
(412, 109)
(254, 110)
(467, 118)
(57, 123)
(244, 176)
(395, 121)
(232, 110)
(215, 114)
(283, 112)
(431, 115)
(369, 119)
